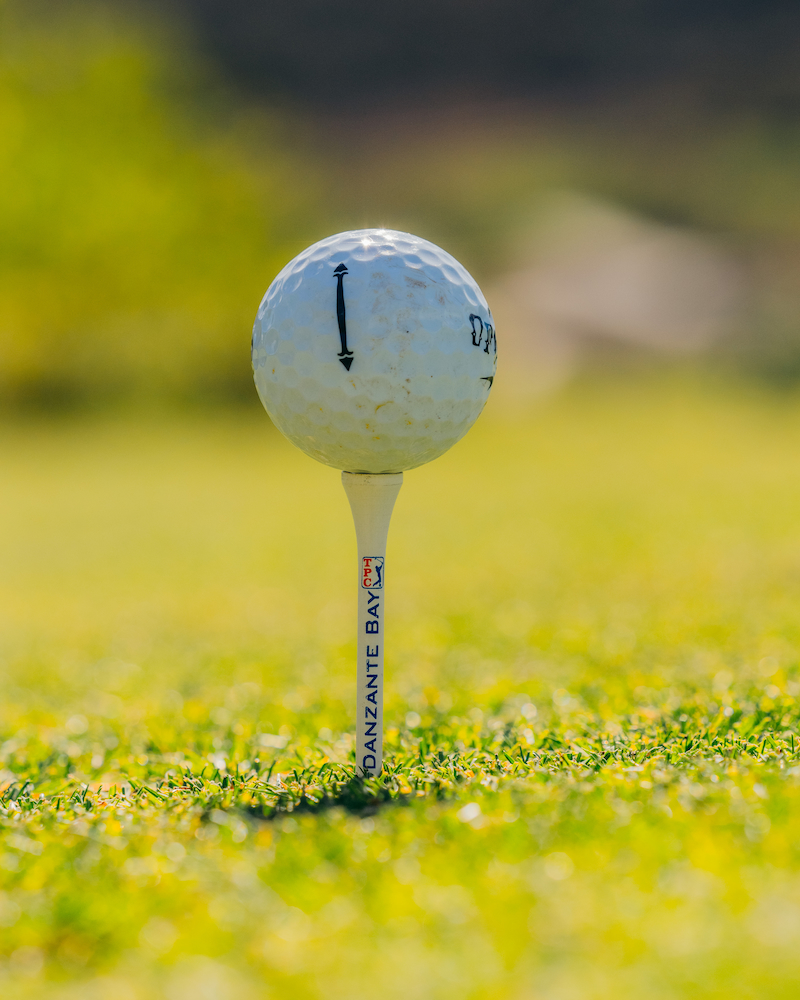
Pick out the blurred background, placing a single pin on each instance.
(623, 178)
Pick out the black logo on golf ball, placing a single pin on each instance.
(482, 334)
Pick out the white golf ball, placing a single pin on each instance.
(374, 351)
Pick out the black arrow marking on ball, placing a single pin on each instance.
(488, 378)
(345, 356)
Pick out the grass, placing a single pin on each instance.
(592, 705)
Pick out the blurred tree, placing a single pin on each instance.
(739, 51)
(135, 241)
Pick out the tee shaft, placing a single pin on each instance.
(371, 501)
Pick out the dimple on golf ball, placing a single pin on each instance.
(374, 351)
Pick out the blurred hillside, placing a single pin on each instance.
(156, 173)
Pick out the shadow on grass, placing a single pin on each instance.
(350, 792)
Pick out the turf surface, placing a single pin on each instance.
(593, 768)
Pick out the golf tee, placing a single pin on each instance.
(371, 501)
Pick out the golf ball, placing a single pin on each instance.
(374, 351)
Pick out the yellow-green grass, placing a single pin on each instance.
(592, 677)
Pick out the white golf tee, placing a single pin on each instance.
(371, 501)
